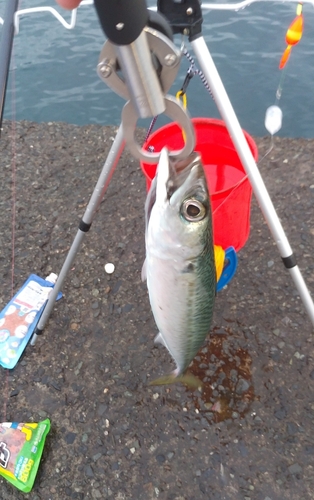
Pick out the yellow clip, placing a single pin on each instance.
(219, 260)
(182, 94)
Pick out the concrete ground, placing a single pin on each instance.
(249, 435)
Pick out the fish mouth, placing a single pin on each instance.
(172, 173)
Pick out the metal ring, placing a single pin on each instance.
(177, 113)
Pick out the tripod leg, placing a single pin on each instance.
(226, 110)
(85, 224)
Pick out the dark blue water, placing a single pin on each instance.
(53, 72)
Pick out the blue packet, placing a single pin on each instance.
(20, 316)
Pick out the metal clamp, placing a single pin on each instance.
(166, 54)
(175, 111)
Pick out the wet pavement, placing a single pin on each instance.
(249, 434)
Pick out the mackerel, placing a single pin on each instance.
(179, 265)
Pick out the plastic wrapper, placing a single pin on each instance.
(20, 317)
(21, 447)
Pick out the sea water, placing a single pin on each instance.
(53, 70)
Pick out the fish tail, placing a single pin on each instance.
(186, 378)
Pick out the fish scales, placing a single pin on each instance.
(179, 266)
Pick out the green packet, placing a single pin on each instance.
(21, 447)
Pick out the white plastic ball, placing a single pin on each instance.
(109, 268)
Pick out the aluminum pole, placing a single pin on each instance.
(7, 34)
(228, 114)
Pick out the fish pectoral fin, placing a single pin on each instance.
(187, 379)
(159, 339)
(144, 271)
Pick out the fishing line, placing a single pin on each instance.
(273, 117)
(280, 85)
(149, 131)
(222, 475)
(193, 69)
(13, 188)
(268, 150)
(238, 184)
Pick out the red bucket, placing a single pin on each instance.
(229, 187)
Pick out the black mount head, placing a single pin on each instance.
(184, 16)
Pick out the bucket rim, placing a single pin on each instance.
(200, 120)
(212, 122)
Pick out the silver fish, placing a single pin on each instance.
(179, 266)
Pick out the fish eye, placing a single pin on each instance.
(193, 210)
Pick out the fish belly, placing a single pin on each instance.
(182, 305)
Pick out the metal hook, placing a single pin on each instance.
(176, 112)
